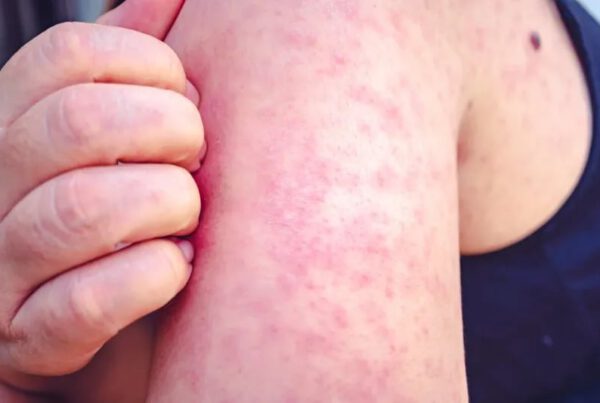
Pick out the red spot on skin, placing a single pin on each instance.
(392, 120)
(348, 9)
(363, 280)
(339, 60)
(335, 65)
(536, 41)
(299, 40)
(390, 293)
(386, 177)
(399, 24)
(340, 318)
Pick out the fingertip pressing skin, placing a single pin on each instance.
(187, 249)
(69, 318)
(92, 210)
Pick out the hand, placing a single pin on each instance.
(83, 252)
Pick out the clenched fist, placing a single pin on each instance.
(99, 132)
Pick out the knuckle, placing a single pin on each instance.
(77, 207)
(9, 333)
(71, 119)
(84, 310)
(12, 357)
(66, 46)
(13, 148)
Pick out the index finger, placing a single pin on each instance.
(76, 53)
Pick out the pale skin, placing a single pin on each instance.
(350, 149)
(69, 280)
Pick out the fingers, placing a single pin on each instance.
(70, 317)
(88, 213)
(153, 17)
(97, 124)
(73, 53)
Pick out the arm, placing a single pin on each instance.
(328, 252)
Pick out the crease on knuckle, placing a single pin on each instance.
(71, 123)
(84, 310)
(9, 333)
(13, 149)
(11, 355)
(67, 47)
(76, 209)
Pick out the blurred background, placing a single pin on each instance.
(21, 20)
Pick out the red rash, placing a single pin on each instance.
(323, 185)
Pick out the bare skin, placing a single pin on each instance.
(339, 134)
(328, 265)
(86, 244)
(518, 160)
(355, 152)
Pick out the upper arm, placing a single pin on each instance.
(328, 251)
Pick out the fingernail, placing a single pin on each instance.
(187, 249)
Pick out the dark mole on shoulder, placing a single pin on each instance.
(536, 40)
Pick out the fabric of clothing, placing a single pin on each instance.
(532, 310)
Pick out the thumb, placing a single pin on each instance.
(152, 17)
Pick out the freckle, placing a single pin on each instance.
(389, 292)
(299, 40)
(536, 40)
(363, 280)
